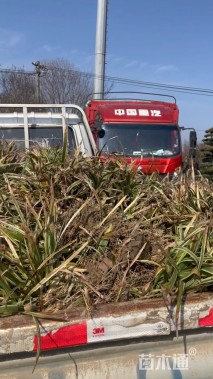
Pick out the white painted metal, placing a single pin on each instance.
(120, 361)
(26, 129)
(77, 110)
(63, 120)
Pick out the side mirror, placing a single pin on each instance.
(193, 139)
(192, 143)
(101, 133)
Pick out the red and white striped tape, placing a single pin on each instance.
(132, 324)
(102, 329)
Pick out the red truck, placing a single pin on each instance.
(145, 132)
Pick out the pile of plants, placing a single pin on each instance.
(77, 232)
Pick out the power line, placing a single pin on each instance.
(205, 91)
(163, 86)
(168, 87)
(18, 71)
(132, 82)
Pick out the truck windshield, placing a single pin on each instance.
(140, 140)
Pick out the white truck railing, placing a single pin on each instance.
(48, 116)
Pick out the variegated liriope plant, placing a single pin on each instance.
(77, 232)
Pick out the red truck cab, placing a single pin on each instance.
(143, 132)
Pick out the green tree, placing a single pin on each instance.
(206, 150)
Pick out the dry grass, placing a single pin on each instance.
(77, 232)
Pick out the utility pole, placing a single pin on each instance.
(100, 50)
(39, 70)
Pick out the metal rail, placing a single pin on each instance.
(122, 359)
(126, 92)
(63, 107)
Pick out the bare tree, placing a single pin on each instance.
(63, 83)
(17, 86)
(60, 83)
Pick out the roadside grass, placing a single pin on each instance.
(77, 232)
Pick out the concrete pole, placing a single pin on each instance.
(39, 70)
(100, 50)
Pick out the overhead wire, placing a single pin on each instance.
(162, 86)
(132, 82)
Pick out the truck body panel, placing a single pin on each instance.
(132, 111)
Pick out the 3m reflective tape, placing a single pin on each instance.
(128, 324)
(207, 320)
(101, 329)
(66, 336)
(113, 328)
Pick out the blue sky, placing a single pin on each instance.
(161, 41)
